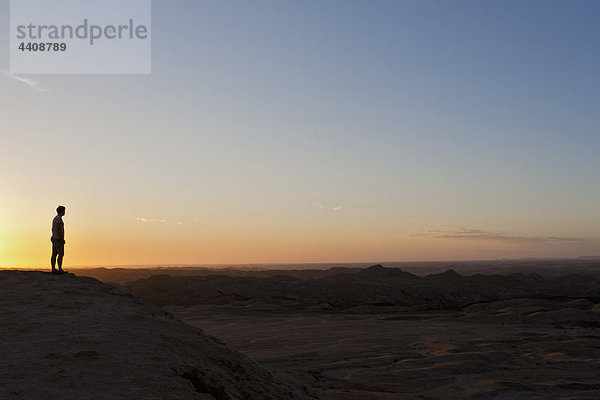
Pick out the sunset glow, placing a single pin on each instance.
(291, 132)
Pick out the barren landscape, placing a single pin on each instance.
(341, 333)
(505, 350)
(68, 337)
(384, 333)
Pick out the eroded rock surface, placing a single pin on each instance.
(67, 337)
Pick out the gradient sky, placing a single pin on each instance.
(315, 131)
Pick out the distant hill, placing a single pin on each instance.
(345, 289)
(544, 267)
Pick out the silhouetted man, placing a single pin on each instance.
(58, 240)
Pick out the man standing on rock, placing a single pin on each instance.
(58, 240)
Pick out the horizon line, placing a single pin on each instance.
(256, 264)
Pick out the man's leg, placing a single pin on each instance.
(60, 258)
(53, 260)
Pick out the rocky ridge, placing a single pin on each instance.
(68, 337)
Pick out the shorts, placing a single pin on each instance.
(58, 246)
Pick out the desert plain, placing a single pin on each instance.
(523, 329)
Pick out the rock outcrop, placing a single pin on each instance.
(67, 337)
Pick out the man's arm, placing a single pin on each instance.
(61, 228)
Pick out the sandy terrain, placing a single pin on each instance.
(384, 333)
(67, 337)
(523, 349)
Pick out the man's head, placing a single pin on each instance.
(60, 210)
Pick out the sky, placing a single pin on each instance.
(315, 131)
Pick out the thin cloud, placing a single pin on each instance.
(478, 234)
(29, 82)
(338, 208)
(148, 220)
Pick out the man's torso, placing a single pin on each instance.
(57, 228)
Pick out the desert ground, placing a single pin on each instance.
(518, 349)
(526, 330)
(498, 330)
(75, 338)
